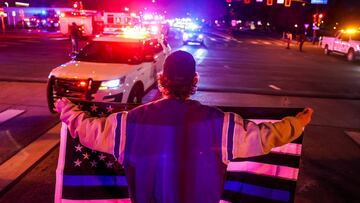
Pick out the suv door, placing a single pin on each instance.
(159, 56)
(345, 38)
(337, 42)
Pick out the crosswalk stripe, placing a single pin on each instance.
(59, 38)
(354, 136)
(9, 114)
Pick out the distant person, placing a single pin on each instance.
(74, 37)
(302, 39)
(288, 39)
(176, 149)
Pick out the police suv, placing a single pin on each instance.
(346, 42)
(118, 68)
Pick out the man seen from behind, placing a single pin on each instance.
(176, 149)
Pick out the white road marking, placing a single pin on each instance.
(13, 43)
(275, 87)
(29, 41)
(200, 55)
(212, 39)
(59, 38)
(354, 136)
(9, 114)
(18, 164)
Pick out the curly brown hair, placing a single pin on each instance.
(177, 90)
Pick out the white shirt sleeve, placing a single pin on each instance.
(101, 134)
(243, 138)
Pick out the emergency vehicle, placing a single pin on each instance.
(115, 22)
(89, 23)
(346, 42)
(192, 33)
(117, 68)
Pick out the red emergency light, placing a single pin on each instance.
(287, 3)
(269, 2)
(247, 1)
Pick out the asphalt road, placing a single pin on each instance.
(238, 71)
(247, 64)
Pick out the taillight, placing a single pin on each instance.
(82, 84)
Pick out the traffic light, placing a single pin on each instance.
(76, 5)
(269, 2)
(287, 3)
(247, 1)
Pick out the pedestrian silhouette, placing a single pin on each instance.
(74, 36)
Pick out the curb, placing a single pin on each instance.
(18, 165)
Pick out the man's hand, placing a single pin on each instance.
(305, 116)
(60, 104)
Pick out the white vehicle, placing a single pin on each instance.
(89, 23)
(344, 42)
(110, 68)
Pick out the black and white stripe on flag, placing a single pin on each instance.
(84, 175)
(266, 178)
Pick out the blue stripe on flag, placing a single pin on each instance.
(230, 136)
(258, 191)
(70, 180)
(117, 135)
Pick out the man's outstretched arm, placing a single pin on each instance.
(244, 138)
(100, 134)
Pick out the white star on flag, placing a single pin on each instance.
(78, 147)
(109, 109)
(77, 163)
(94, 151)
(86, 155)
(109, 164)
(102, 157)
(94, 108)
(93, 163)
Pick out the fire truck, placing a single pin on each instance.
(89, 22)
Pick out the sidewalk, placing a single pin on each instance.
(29, 34)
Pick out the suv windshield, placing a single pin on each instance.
(112, 52)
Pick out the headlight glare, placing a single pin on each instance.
(112, 84)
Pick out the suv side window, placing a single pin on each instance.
(345, 37)
(338, 35)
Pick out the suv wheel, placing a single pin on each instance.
(350, 55)
(136, 95)
(326, 50)
(51, 95)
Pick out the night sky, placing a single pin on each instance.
(337, 10)
(196, 8)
